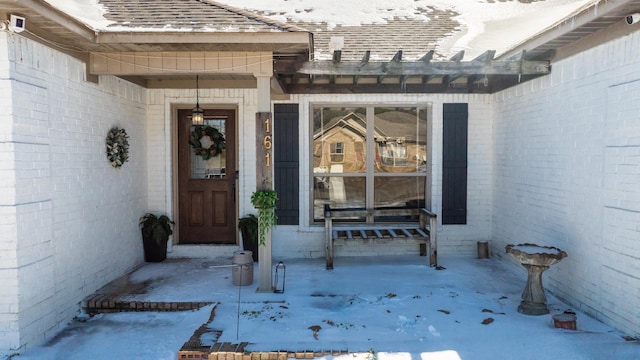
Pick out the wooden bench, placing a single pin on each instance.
(422, 228)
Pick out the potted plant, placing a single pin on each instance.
(155, 235)
(248, 225)
(265, 202)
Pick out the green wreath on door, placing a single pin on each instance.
(217, 141)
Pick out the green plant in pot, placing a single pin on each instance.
(265, 202)
(155, 235)
(248, 225)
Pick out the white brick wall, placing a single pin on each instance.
(567, 174)
(308, 241)
(68, 219)
(462, 239)
(9, 320)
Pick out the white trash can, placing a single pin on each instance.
(242, 269)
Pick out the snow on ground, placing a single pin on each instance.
(376, 308)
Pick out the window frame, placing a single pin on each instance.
(370, 144)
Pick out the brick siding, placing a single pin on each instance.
(567, 174)
(68, 219)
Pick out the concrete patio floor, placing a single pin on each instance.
(375, 307)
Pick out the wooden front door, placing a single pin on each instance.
(206, 186)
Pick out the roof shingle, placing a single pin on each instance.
(186, 15)
(413, 36)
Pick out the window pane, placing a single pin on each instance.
(337, 191)
(339, 136)
(396, 170)
(401, 140)
(399, 191)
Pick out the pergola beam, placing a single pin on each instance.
(365, 59)
(483, 74)
(420, 68)
(449, 78)
(427, 57)
(458, 57)
(301, 88)
(337, 56)
(486, 56)
(397, 58)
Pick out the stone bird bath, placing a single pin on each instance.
(536, 259)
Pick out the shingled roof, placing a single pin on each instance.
(413, 36)
(186, 15)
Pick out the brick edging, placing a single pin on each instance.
(103, 304)
(258, 355)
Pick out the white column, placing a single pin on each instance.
(264, 93)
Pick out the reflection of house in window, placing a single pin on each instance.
(360, 158)
(354, 148)
(393, 152)
(341, 140)
(337, 152)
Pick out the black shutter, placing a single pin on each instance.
(454, 163)
(286, 156)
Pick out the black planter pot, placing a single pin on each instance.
(248, 226)
(153, 252)
(250, 243)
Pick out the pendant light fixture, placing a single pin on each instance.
(197, 114)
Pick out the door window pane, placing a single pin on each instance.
(206, 166)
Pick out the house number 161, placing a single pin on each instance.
(266, 142)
